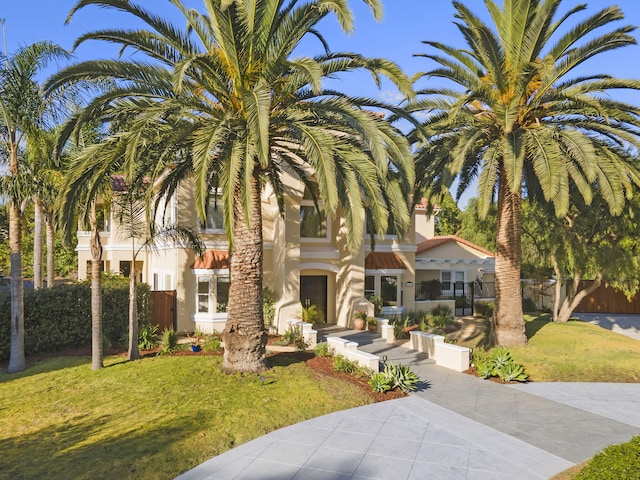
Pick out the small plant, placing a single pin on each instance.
(344, 365)
(147, 336)
(268, 307)
(377, 304)
(312, 314)
(372, 324)
(169, 340)
(212, 343)
(361, 314)
(484, 309)
(323, 350)
(400, 377)
(379, 382)
(499, 357)
(511, 372)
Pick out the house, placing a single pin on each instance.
(306, 261)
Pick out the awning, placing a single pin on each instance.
(383, 261)
(212, 260)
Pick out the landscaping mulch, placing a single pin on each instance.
(324, 366)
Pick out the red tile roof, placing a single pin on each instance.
(435, 242)
(383, 261)
(212, 260)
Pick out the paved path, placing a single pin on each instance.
(454, 427)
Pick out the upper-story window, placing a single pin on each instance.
(313, 222)
(391, 227)
(214, 223)
(166, 211)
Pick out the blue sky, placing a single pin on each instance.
(397, 37)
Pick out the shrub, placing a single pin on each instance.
(294, 335)
(312, 314)
(212, 343)
(379, 382)
(529, 305)
(401, 377)
(147, 336)
(484, 309)
(497, 363)
(344, 365)
(621, 462)
(431, 289)
(169, 340)
(268, 306)
(377, 304)
(323, 350)
(60, 317)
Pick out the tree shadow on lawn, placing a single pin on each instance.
(68, 451)
(533, 326)
(284, 359)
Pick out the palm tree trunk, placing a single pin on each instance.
(38, 281)
(51, 239)
(244, 336)
(17, 361)
(96, 292)
(508, 320)
(133, 353)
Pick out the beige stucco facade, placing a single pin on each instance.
(301, 270)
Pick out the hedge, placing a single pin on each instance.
(620, 462)
(60, 317)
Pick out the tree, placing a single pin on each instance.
(223, 102)
(145, 233)
(522, 125)
(587, 243)
(21, 112)
(448, 218)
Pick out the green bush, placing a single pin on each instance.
(497, 363)
(212, 343)
(484, 309)
(401, 377)
(147, 336)
(60, 317)
(169, 340)
(379, 382)
(268, 307)
(323, 350)
(621, 462)
(344, 365)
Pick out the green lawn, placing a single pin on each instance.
(149, 419)
(577, 352)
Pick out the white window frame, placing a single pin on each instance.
(211, 277)
(163, 280)
(453, 276)
(378, 274)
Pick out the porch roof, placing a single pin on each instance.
(437, 241)
(212, 260)
(383, 261)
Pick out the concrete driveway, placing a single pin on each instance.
(628, 325)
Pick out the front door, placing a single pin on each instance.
(313, 291)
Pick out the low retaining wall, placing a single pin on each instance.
(308, 333)
(349, 350)
(445, 354)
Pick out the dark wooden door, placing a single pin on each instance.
(313, 291)
(163, 309)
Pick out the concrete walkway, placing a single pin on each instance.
(454, 427)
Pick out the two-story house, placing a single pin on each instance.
(306, 261)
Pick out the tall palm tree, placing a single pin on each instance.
(21, 112)
(225, 102)
(523, 121)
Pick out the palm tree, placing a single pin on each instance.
(145, 233)
(223, 102)
(525, 122)
(21, 112)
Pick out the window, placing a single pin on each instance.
(215, 213)
(369, 286)
(389, 290)
(162, 281)
(166, 212)
(213, 293)
(313, 222)
(391, 228)
(203, 294)
(451, 280)
(222, 294)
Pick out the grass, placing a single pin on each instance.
(152, 418)
(577, 352)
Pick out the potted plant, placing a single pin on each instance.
(372, 324)
(195, 340)
(360, 320)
